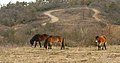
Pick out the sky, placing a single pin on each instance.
(13, 1)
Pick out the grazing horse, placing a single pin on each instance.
(54, 39)
(37, 38)
(101, 42)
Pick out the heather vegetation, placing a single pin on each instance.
(21, 20)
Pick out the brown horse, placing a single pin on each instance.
(38, 38)
(54, 39)
(101, 42)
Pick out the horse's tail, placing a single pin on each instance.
(63, 44)
(45, 43)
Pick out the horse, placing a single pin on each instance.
(38, 38)
(101, 42)
(54, 39)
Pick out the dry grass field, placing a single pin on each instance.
(55, 55)
(78, 21)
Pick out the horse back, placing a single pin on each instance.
(55, 39)
(102, 38)
(43, 37)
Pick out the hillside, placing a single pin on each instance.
(76, 22)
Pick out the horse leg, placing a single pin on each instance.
(35, 44)
(62, 45)
(105, 46)
(102, 47)
(99, 47)
(40, 44)
(49, 45)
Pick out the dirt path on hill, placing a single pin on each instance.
(55, 19)
(96, 14)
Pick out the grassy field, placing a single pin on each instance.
(55, 55)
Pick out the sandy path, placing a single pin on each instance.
(55, 19)
(96, 14)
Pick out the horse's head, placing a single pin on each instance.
(31, 42)
(97, 40)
